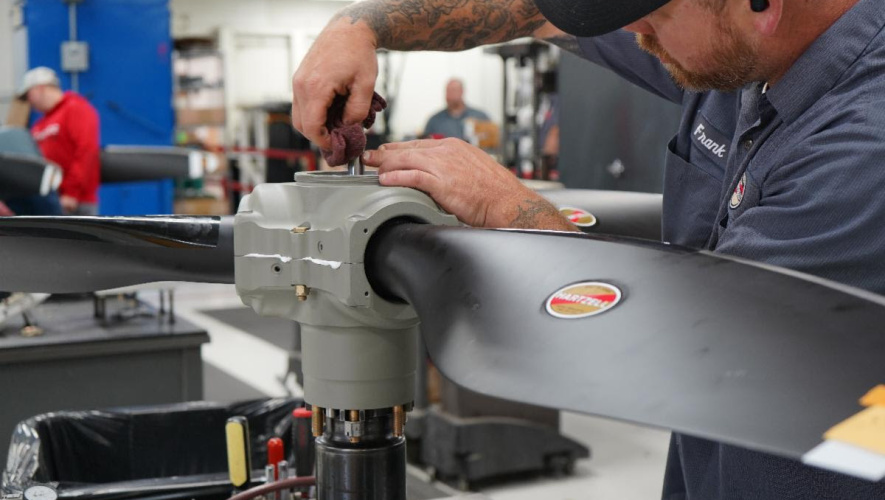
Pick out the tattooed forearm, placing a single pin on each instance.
(566, 42)
(445, 24)
(539, 214)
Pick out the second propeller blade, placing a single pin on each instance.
(702, 344)
(82, 254)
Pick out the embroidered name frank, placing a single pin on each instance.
(709, 143)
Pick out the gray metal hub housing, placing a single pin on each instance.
(310, 236)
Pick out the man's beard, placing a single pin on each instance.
(732, 64)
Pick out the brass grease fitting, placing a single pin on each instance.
(316, 421)
(398, 420)
(354, 416)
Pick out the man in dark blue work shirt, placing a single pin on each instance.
(780, 156)
(451, 122)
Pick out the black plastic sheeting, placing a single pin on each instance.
(139, 449)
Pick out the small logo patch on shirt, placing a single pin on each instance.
(50, 130)
(738, 196)
(707, 138)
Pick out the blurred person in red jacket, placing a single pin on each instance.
(67, 135)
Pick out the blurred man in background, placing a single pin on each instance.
(67, 135)
(451, 121)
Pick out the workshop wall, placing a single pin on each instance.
(614, 135)
(129, 79)
(424, 76)
(203, 17)
(7, 67)
(419, 77)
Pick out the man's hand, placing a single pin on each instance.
(5, 211)
(342, 59)
(341, 62)
(69, 204)
(466, 182)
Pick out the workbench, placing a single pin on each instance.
(81, 362)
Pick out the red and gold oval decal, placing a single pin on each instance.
(578, 217)
(583, 300)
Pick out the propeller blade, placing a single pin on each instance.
(143, 163)
(26, 175)
(637, 215)
(83, 254)
(702, 344)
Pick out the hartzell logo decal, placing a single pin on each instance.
(583, 300)
(578, 217)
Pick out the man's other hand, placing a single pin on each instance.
(466, 182)
(69, 204)
(341, 61)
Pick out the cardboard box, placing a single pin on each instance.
(191, 117)
(202, 206)
(487, 134)
(19, 113)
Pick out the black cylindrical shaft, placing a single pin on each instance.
(373, 469)
(361, 473)
(132, 164)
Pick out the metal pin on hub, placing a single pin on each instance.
(356, 167)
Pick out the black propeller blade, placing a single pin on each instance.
(26, 175)
(637, 215)
(82, 254)
(702, 344)
(140, 163)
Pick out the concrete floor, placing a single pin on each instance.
(627, 461)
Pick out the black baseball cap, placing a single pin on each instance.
(595, 17)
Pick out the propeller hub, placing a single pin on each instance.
(300, 254)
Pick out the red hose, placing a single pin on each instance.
(292, 482)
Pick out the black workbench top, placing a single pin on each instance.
(71, 330)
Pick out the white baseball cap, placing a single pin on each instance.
(37, 76)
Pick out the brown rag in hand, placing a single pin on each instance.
(348, 141)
